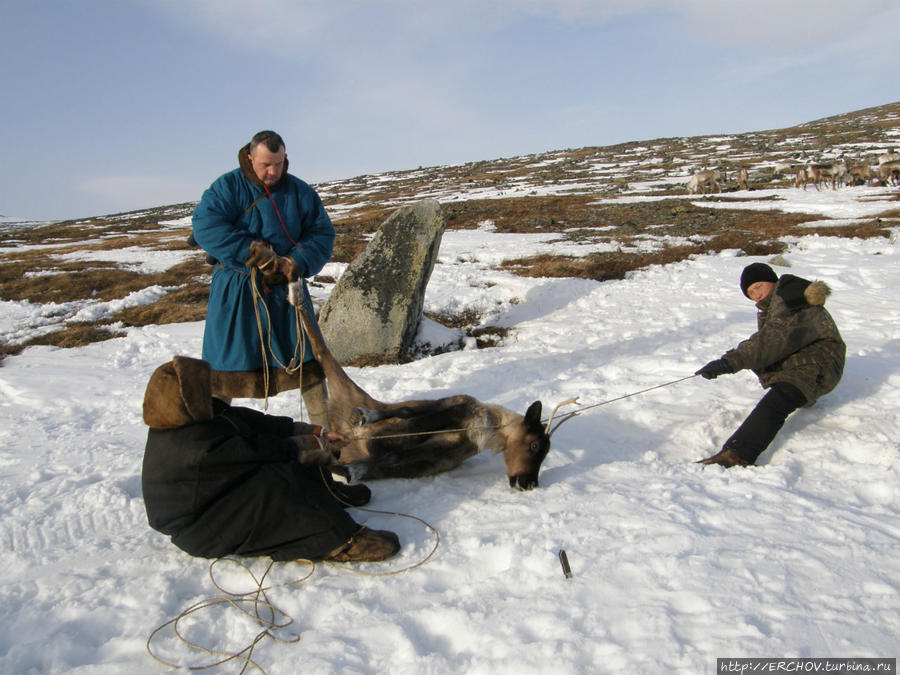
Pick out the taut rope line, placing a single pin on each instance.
(565, 418)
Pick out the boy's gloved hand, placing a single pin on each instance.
(715, 368)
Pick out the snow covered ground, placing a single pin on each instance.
(674, 564)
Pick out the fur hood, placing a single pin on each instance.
(798, 293)
(178, 393)
(816, 293)
(249, 174)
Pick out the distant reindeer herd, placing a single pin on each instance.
(836, 174)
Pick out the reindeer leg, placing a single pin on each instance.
(370, 416)
(437, 455)
(418, 440)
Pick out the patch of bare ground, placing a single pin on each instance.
(73, 335)
(755, 233)
(37, 274)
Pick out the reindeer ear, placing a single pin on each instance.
(533, 414)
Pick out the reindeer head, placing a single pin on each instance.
(526, 448)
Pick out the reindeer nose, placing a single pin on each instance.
(523, 482)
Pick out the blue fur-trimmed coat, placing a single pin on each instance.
(225, 223)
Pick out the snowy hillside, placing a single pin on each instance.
(673, 564)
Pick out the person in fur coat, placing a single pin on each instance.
(259, 220)
(797, 353)
(223, 480)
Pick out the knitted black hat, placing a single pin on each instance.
(756, 272)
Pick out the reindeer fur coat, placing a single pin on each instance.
(233, 213)
(797, 341)
(223, 480)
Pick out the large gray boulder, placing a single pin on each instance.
(375, 309)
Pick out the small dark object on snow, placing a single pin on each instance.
(564, 561)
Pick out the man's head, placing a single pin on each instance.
(757, 281)
(179, 392)
(267, 157)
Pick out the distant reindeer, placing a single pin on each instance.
(700, 180)
(420, 438)
(888, 157)
(861, 174)
(787, 168)
(889, 172)
(822, 173)
(743, 179)
(782, 168)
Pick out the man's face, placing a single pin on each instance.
(267, 165)
(759, 290)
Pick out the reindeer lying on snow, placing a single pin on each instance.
(420, 438)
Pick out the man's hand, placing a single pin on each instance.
(276, 269)
(288, 268)
(334, 442)
(262, 257)
(319, 448)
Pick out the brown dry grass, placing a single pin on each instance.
(754, 233)
(576, 216)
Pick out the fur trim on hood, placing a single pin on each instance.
(816, 293)
(247, 168)
(179, 392)
(798, 293)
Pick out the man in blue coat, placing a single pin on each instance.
(264, 227)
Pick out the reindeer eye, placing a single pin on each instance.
(534, 446)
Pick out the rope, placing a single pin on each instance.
(570, 415)
(299, 355)
(264, 612)
(257, 598)
(437, 537)
(563, 418)
(634, 393)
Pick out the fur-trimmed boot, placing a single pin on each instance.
(367, 546)
(727, 457)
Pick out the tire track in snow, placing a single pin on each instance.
(101, 517)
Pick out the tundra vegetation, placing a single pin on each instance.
(576, 193)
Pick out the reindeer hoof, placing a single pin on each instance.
(368, 416)
(356, 471)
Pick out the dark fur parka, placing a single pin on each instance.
(224, 480)
(796, 342)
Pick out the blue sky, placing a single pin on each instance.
(114, 105)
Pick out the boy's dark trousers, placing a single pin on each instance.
(767, 418)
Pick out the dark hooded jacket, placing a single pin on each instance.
(797, 341)
(225, 480)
